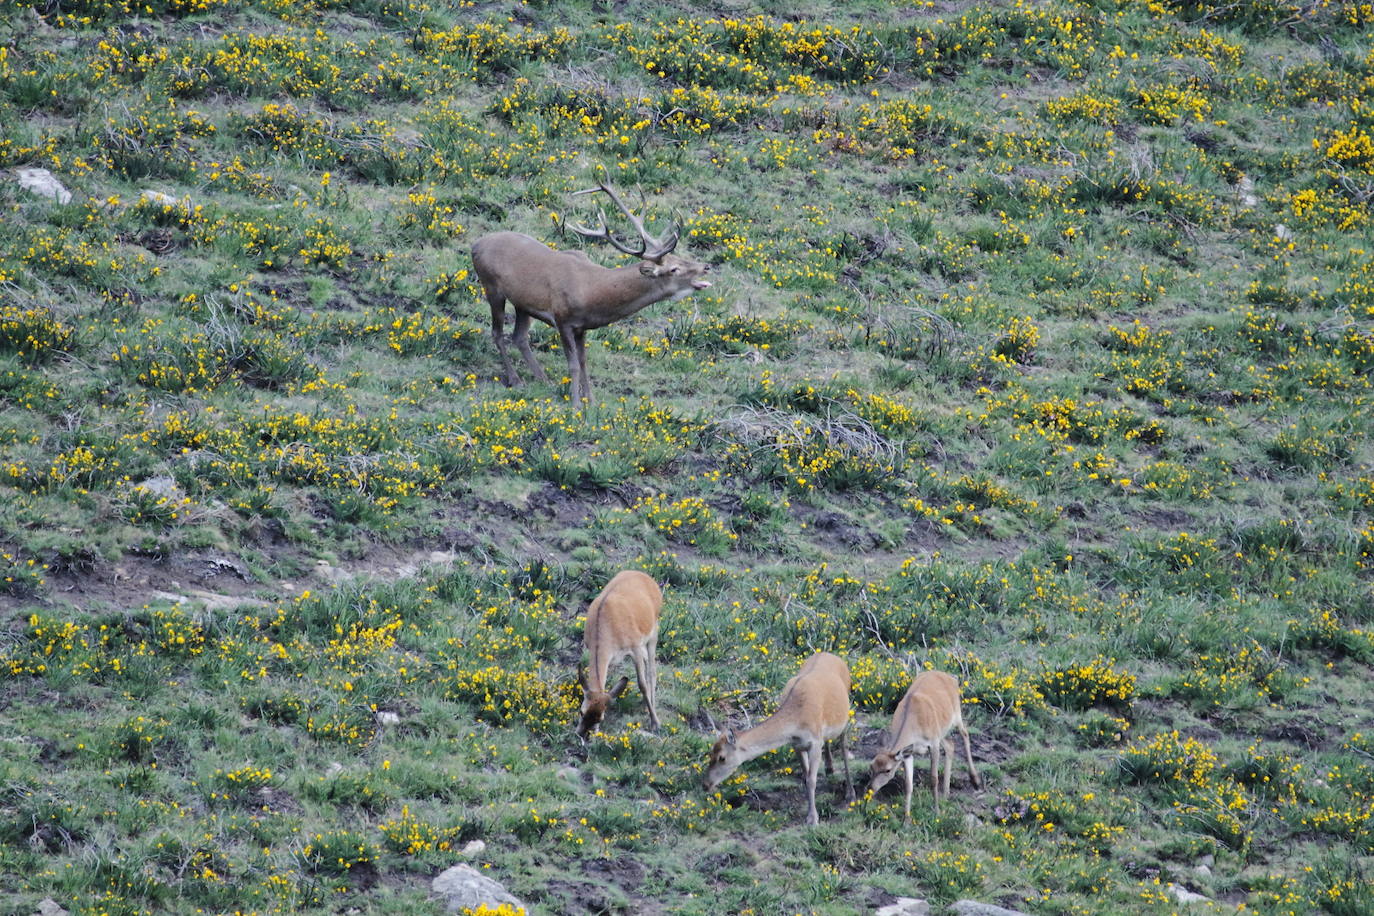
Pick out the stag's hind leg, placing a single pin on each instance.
(520, 336)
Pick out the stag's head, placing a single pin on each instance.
(678, 275)
(595, 702)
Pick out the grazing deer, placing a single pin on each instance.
(622, 620)
(930, 709)
(566, 290)
(813, 709)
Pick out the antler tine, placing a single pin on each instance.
(665, 246)
(650, 249)
(604, 234)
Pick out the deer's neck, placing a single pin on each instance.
(598, 658)
(770, 734)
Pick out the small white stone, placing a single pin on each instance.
(474, 848)
(44, 184)
(1283, 233)
(1202, 871)
(386, 717)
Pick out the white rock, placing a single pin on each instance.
(162, 486)
(386, 717)
(1245, 189)
(157, 197)
(905, 906)
(1202, 871)
(464, 887)
(474, 848)
(1283, 233)
(49, 907)
(334, 769)
(974, 908)
(44, 184)
(1185, 896)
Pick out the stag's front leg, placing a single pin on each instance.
(571, 344)
(521, 338)
(581, 336)
(498, 334)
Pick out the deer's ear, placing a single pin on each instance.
(650, 269)
(730, 738)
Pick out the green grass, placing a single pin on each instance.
(1001, 373)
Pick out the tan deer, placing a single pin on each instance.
(622, 620)
(566, 290)
(813, 709)
(931, 708)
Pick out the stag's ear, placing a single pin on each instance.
(620, 688)
(730, 738)
(649, 269)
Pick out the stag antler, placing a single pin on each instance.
(650, 248)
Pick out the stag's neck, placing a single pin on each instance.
(623, 292)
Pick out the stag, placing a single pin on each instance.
(566, 290)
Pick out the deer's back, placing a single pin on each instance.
(626, 611)
(929, 709)
(818, 697)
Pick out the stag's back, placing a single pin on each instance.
(521, 268)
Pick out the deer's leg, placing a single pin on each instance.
(569, 338)
(949, 763)
(652, 662)
(641, 661)
(581, 337)
(813, 769)
(829, 753)
(521, 337)
(844, 758)
(498, 334)
(909, 770)
(968, 755)
(935, 773)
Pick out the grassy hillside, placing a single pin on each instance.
(1040, 351)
